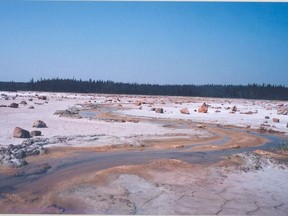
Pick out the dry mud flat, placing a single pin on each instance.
(116, 155)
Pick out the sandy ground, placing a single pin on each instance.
(125, 167)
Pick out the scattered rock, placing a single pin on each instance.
(39, 124)
(42, 97)
(71, 112)
(203, 108)
(159, 110)
(201, 126)
(282, 110)
(178, 146)
(54, 209)
(276, 120)
(21, 133)
(35, 133)
(184, 111)
(247, 113)
(20, 154)
(14, 105)
(138, 103)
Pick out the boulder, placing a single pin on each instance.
(14, 105)
(184, 111)
(203, 108)
(35, 133)
(42, 97)
(282, 110)
(20, 154)
(234, 109)
(159, 110)
(21, 133)
(138, 103)
(39, 124)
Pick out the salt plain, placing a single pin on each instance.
(236, 185)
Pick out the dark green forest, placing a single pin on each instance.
(250, 91)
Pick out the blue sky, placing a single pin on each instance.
(145, 42)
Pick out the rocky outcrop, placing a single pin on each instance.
(20, 133)
(13, 105)
(39, 124)
(13, 155)
(184, 111)
(71, 112)
(203, 108)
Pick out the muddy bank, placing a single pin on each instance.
(159, 187)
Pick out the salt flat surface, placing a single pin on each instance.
(259, 108)
(114, 133)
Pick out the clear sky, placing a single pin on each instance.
(145, 42)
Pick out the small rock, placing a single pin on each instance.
(159, 110)
(283, 110)
(18, 162)
(21, 133)
(19, 154)
(276, 120)
(234, 109)
(138, 103)
(35, 133)
(23, 102)
(39, 124)
(184, 111)
(42, 97)
(14, 105)
(30, 99)
(201, 126)
(31, 107)
(267, 117)
(247, 113)
(203, 108)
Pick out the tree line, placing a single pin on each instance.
(250, 91)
